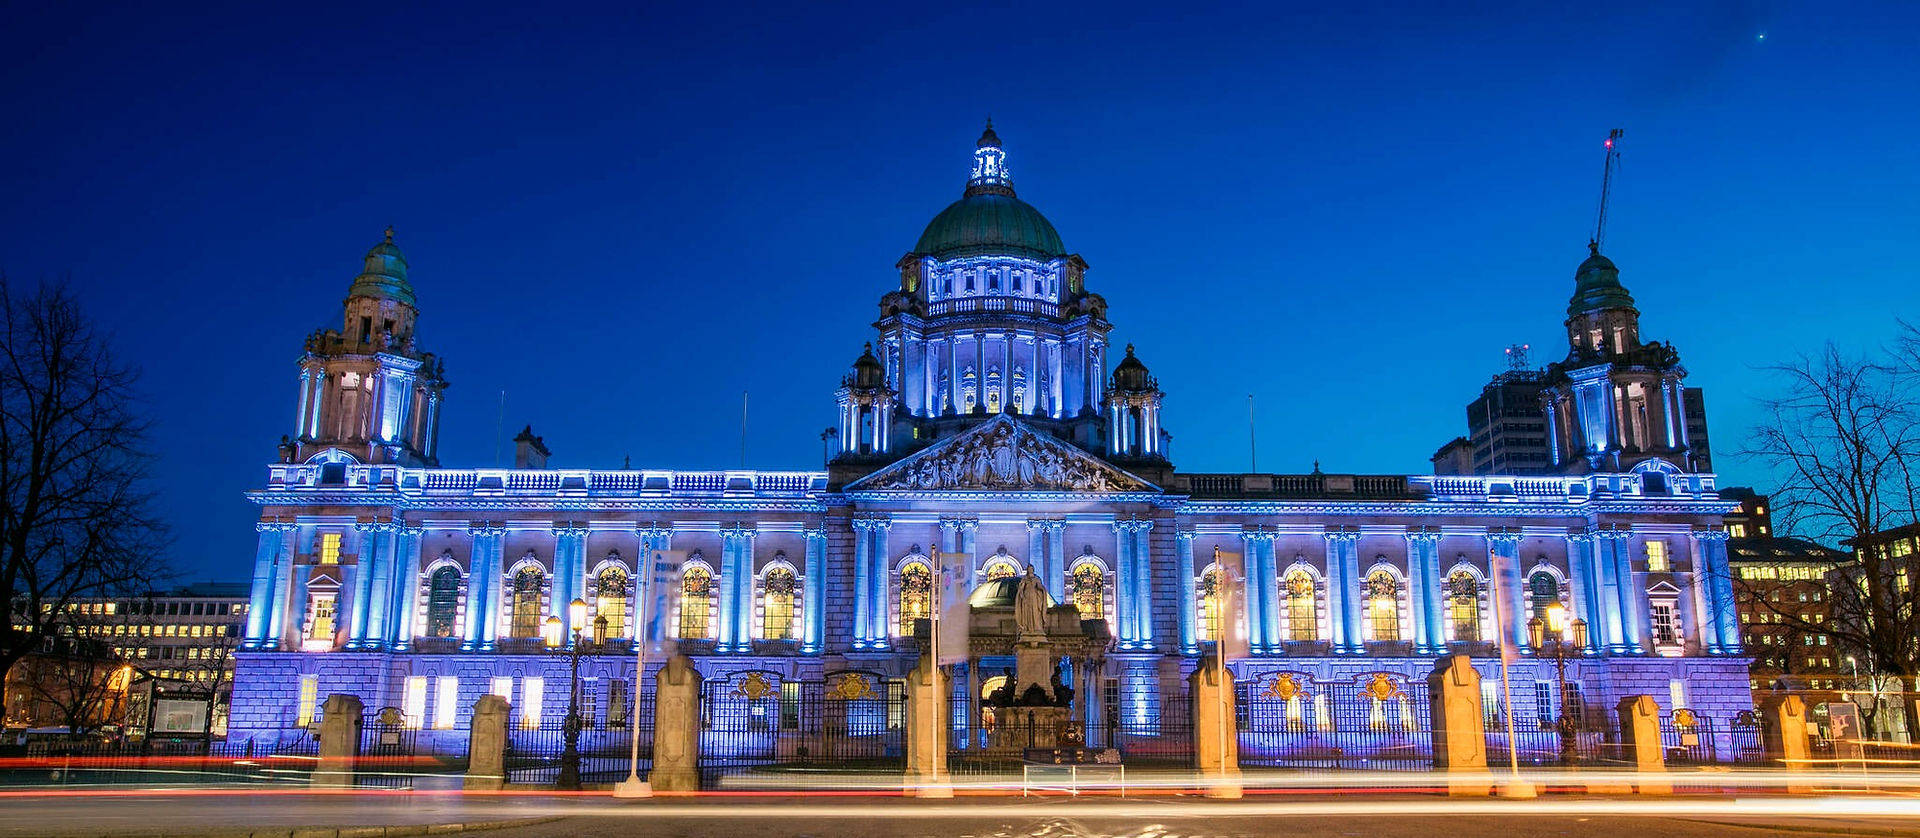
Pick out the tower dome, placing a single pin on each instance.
(1596, 285)
(385, 275)
(1131, 374)
(989, 219)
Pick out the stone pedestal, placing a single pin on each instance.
(487, 745)
(1016, 729)
(339, 740)
(1640, 734)
(676, 727)
(927, 731)
(1032, 665)
(1216, 740)
(1784, 726)
(1459, 728)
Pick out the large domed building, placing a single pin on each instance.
(985, 430)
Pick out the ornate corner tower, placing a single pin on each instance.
(866, 413)
(1614, 402)
(1134, 437)
(366, 389)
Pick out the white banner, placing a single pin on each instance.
(1235, 642)
(663, 600)
(952, 627)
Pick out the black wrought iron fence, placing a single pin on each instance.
(605, 746)
(1375, 725)
(848, 722)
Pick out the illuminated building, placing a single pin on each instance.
(1782, 585)
(990, 416)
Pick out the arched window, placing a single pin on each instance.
(1383, 605)
(1210, 603)
(1303, 612)
(696, 603)
(1544, 591)
(443, 600)
(1090, 591)
(526, 603)
(916, 595)
(610, 604)
(1002, 569)
(1463, 606)
(777, 604)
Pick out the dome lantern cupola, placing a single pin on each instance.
(989, 220)
(1596, 285)
(384, 277)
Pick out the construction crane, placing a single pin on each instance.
(1606, 188)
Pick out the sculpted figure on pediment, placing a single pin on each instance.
(1004, 455)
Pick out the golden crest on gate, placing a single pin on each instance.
(851, 686)
(1684, 718)
(1283, 687)
(754, 687)
(1380, 687)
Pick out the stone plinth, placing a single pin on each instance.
(1216, 740)
(1640, 733)
(339, 740)
(487, 744)
(676, 727)
(1459, 728)
(927, 731)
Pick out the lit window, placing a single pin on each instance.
(1303, 612)
(446, 701)
(526, 603)
(1657, 557)
(916, 595)
(413, 702)
(1090, 591)
(696, 603)
(530, 697)
(502, 686)
(309, 694)
(330, 548)
(1383, 606)
(1665, 628)
(321, 629)
(777, 605)
(1211, 603)
(1001, 569)
(610, 604)
(443, 599)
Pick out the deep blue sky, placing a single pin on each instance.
(625, 218)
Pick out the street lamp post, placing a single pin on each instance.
(554, 635)
(1560, 637)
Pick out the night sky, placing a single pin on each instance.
(623, 218)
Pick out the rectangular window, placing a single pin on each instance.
(589, 714)
(502, 686)
(329, 548)
(446, 701)
(618, 705)
(1490, 700)
(789, 705)
(530, 699)
(413, 702)
(1665, 631)
(1657, 557)
(1543, 703)
(309, 695)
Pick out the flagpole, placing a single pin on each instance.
(633, 786)
(1516, 787)
(1220, 654)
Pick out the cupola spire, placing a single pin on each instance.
(989, 175)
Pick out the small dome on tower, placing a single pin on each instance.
(385, 274)
(868, 373)
(1596, 285)
(1131, 374)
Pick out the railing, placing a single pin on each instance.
(547, 482)
(993, 305)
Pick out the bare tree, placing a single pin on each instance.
(74, 519)
(1844, 441)
(76, 678)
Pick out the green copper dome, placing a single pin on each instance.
(990, 224)
(1596, 285)
(385, 274)
(989, 220)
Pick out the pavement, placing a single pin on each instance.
(371, 813)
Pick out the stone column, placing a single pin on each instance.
(1503, 551)
(1343, 590)
(282, 585)
(676, 726)
(483, 586)
(1459, 727)
(1216, 745)
(1784, 726)
(1050, 576)
(927, 731)
(487, 745)
(863, 587)
(1189, 596)
(406, 593)
(1056, 547)
(266, 574)
(366, 585)
(1427, 590)
(882, 574)
(1253, 596)
(1125, 607)
(814, 591)
(1721, 605)
(1143, 582)
(569, 573)
(339, 740)
(1640, 733)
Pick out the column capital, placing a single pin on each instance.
(1508, 537)
(1056, 525)
(1423, 535)
(1255, 535)
(1185, 537)
(570, 529)
(374, 526)
(412, 530)
(1579, 536)
(486, 528)
(1710, 534)
(1612, 532)
(1347, 535)
(275, 526)
(813, 532)
(653, 530)
(1036, 525)
(740, 530)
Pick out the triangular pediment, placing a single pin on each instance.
(1002, 454)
